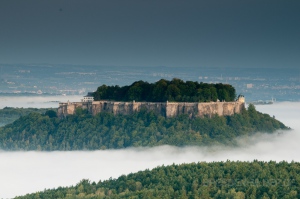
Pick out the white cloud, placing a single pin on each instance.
(27, 172)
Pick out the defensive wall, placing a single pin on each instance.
(167, 109)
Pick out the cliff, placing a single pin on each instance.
(167, 109)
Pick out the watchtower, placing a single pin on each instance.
(241, 98)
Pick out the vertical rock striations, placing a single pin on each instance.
(167, 109)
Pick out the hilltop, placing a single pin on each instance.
(167, 98)
(196, 180)
(212, 122)
(83, 131)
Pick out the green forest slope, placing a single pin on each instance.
(9, 114)
(219, 180)
(106, 131)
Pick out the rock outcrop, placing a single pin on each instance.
(167, 109)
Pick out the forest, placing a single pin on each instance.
(216, 180)
(163, 90)
(10, 114)
(82, 131)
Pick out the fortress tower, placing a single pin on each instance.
(241, 98)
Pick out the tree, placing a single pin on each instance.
(172, 92)
(51, 113)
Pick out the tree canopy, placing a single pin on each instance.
(175, 90)
(217, 180)
(10, 114)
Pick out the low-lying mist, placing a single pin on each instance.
(27, 172)
(36, 101)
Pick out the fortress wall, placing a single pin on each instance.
(169, 109)
(209, 109)
(159, 108)
(61, 110)
(173, 109)
(190, 109)
(229, 108)
(69, 108)
(125, 108)
(136, 106)
(239, 107)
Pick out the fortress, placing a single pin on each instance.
(167, 109)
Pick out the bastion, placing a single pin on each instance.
(167, 109)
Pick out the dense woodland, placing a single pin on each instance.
(106, 131)
(219, 180)
(175, 90)
(9, 114)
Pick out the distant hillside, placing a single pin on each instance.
(9, 114)
(175, 90)
(232, 180)
(106, 131)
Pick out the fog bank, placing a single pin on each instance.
(27, 172)
(36, 101)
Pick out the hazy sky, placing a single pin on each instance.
(251, 33)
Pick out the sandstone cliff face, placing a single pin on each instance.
(168, 109)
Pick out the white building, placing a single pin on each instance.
(88, 98)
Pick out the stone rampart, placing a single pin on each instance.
(167, 109)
